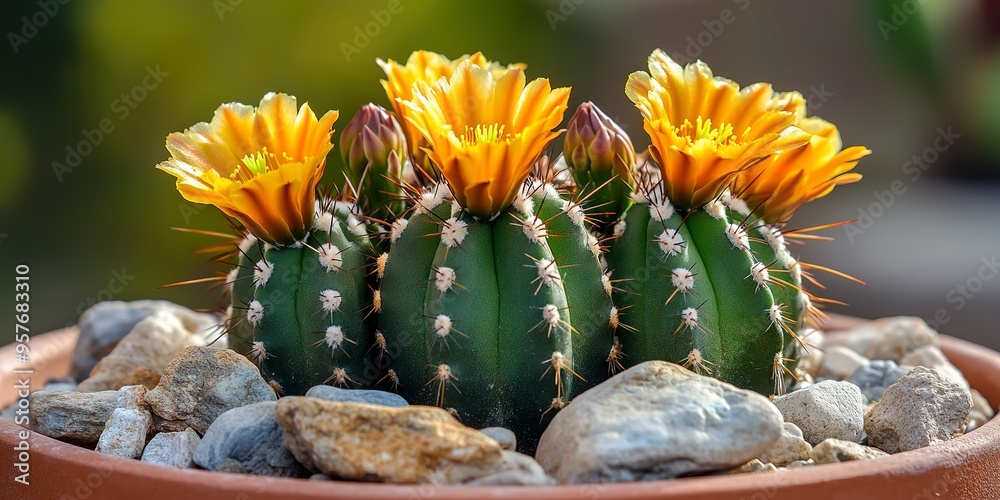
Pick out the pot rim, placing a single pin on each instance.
(949, 465)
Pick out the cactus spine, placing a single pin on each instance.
(501, 320)
(303, 313)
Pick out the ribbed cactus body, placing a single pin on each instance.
(710, 289)
(500, 320)
(300, 312)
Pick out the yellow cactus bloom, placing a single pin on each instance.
(428, 67)
(259, 166)
(485, 132)
(705, 129)
(780, 184)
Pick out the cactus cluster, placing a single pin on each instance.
(451, 273)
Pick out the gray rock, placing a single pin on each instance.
(789, 448)
(839, 362)
(828, 409)
(71, 416)
(886, 338)
(656, 420)
(172, 449)
(515, 469)
(922, 409)
(410, 444)
(330, 393)
(504, 436)
(800, 463)
(931, 356)
(106, 323)
(248, 440)
(151, 345)
(202, 383)
(832, 451)
(875, 377)
(126, 430)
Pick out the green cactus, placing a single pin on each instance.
(303, 313)
(502, 320)
(713, 289)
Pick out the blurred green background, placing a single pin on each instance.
(891, 74)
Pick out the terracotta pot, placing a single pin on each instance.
(965, 467)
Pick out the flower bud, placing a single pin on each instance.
(370, 136)
(373, 147)
(597, 150)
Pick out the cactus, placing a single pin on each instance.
(709, 282)
(494, 299)
(501, 320)
(304, 313)
(301, 304)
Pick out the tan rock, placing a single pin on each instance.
(143, 354)
(754, 465)
(832, 451)
(415, 444)
(791, 446)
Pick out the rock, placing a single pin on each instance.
(172, 449)
(981, 413)
(71, 416)
(886, 338)
(505, 437)
(54, 384)
(106, 323)
(840, 362)
(791, 446)
(143, 354)
(753, 466)
(412, 444)
(161, 425)
(800, 463)
(250, 438)
(922, 409)
(930, 356)
(202, 383)
(656, 420)
(832, 451)
(828, 409)
(875, 377)
(330, 393)
(515, 469)
(321, 477)
(126, 430)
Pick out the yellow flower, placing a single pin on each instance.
(428, 67)
(259, 166)
(705, 129)
(485, 132)
(780, 184)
